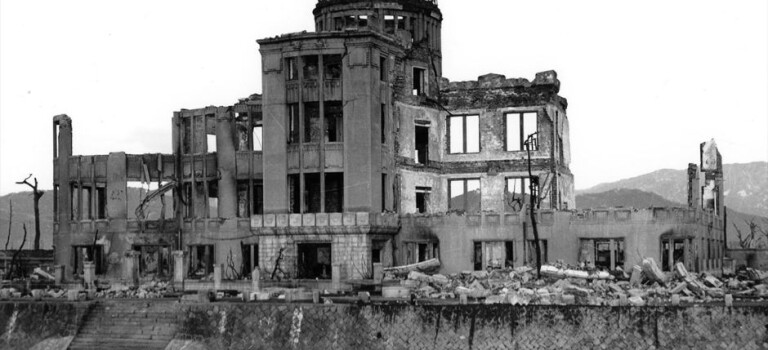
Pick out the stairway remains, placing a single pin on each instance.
(145, 325)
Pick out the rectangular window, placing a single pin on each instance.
(213, 199)
(338, 23)
(383, 192)
(294, 193)
(211, 143)
(314, 260)
(418, 81)
(362, 21)
(291, 72)
(422, 199)
(311, 193)
(464, 134)
(250, 254)
(383, 123)
(332, 66)
(422, 144)
(334, 192)
(517, 193)
(464, 195)
(389, 24)
(293, 123)
(400, 22)
(258, 131)
(603, 253)
(311, 122)
(201, 260)
(310, 67)
(334, 122)
(154, 260)
(519, 127)
(383, 68)
(88, 253)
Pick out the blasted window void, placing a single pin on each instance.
(400, 22)
(464, 195)
(55, 203)
(531, 254)
(186, 135)
(213, 199)
(332, 67)
(154, 260)
(422, 199)
(419, 81)
(312, 193)
(350, 21)
(314, 260)
(311, 122)
(256, 198)
(389, 24)
(74, 204)
(413, 29)
(518, 127)
(383, 114)
(101, 202)
(334, 192)
(709, 195)
(490, 255)
(362, 21)
(293, 123)
(383, 68)
(334, 122)
(338, 23)
(250, 259)
(383, 192)
(421, 144)
(291, 69)
(464, 134)
(294, 193)
(242, 127)
(82, 253)
(257, 137)
(674, 247)
(377, 249)
(310, 67)
(517, 193)
(201, 261)
(602, 253)
(420, 251)
(211, 143)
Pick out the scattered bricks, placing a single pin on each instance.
(636, 276)
(495, 299)
(675, 299)
(653, 272)
(728, 300)
(636, 301)
(681, 271)
(463, 299)
(37, 294)
(623, 300)
(679, 288)
(711, 281)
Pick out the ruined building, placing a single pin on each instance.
(357, 152)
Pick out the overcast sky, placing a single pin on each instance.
(646, 81)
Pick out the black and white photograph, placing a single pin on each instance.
(383, 174)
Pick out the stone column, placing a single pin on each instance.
(131, 267)
(378, 272)
(217, 271)
(255, 277)
(58, 274)
(179, 268)
(336, 276)
(89, 273)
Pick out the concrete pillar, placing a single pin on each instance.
(336, 276)
(179, 268)
(217, 271)
(89, 273)
(255, 280)
(58, 274)
(131, 267)
(226, 162)
(62, 239)
(378, 272)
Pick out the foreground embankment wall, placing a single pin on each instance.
(308, 326)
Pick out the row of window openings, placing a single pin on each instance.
(676, 248)
(247, 140)
(311, 67)
(489, 255)
(465, 195)
(464, 132)
(392, 24)
(245, 208)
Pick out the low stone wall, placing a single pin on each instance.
(308, 326)
(277, 326)
(25, 324)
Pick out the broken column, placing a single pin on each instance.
(225, 160)
(131, 267)
(178, 266)
(255, 277)
(89, 273)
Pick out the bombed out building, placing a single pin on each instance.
(359, 152)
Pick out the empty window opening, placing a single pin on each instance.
(422, 144)
(350, 22)
(418, 81)
(88, 253)
(509, 249)
(383, 68)
(334, 192)
(75, 202)
(201, 261)
(311, 122)
(493, 255)
(334, 122)
(213, 199)
(477, 259)
(310, 67)
(674, 247)
(464, 195)
(531, 256)
(312, 193)
(294, 193)
(154, 260)
(400, 22)
(186, 135)
(517, 193)
(378, 249)
(332, 66)
(383, 123)
(413, 29)
(258, 133)
(362, 21)
(422, 199)
(250, 259)
(389, 24)
(338, 23)
(519, 127)
(242, 199)
(241, 125)
(464, 134)
(87, 201)
(314, 260)
(211, 143)
(421, 251)
(257, 198)
(383, 192)
(293, 123)
(291, 69)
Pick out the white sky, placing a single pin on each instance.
(646, 81)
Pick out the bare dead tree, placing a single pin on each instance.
(533, 196)
(15, 263)
(36, 195)
(10, 223)
(277, 263)
(744, 242)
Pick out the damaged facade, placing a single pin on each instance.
(358, 152)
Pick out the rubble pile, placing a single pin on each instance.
(561, 284)
(149, 290)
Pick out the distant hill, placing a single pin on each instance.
(746, 186)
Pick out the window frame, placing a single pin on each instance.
(464, 133)
(525, 187)
(523, 137)
(465, 206)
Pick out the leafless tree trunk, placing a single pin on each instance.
(36, 195)
(15, 264)
(533, 196)
(10, 223)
